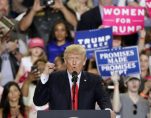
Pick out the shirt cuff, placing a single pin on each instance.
(108, 109)
(44, 78)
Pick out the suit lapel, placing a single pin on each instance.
(66, 87)
(82, 89)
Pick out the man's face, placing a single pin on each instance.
(117, 41)
(41, 66)
(144, 62)
(12, 45)
(133, 85)
(106, 2)
(4, 7)
(75, 62)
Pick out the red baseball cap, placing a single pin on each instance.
(36, 42)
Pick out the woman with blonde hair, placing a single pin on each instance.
(80, 6)
(36, 51)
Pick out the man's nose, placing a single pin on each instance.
(74, 62)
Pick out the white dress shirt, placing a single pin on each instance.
(44, 78)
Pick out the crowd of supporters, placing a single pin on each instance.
(41, 34)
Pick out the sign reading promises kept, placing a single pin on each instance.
(124, 61)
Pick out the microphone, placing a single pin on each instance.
(74, 76)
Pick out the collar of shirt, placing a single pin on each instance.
(4, 56)
(70, 79)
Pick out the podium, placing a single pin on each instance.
(74, 114)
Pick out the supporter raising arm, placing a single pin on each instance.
(129, 104)
(27, 20)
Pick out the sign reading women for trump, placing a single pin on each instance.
(124, 61)
(148, 6)
(94, 39)
(124, 20)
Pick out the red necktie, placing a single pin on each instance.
(75, 99)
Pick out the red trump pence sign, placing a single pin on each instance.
(148, 7)
(123, 20)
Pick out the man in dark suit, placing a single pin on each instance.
(56, 87)
(92, 19)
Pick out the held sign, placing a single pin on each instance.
(124, 20)
(94, 39)
(124, 61)
(148, 7)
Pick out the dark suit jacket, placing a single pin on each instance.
(57, 92)
(90, 19)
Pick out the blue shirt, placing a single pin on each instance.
(53, 50)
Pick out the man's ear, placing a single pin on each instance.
(84, 61)
(65, 61)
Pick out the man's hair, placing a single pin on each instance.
(44, 60)
(79, 49)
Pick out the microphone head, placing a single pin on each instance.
(74, 73)
(74, 76)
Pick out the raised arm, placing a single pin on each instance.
(41, 95)
(116, 94)
(20, 73)
(27, 20)
(69, 16)
(32, 76)
(141, 40)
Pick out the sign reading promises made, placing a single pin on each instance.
(124, 61)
